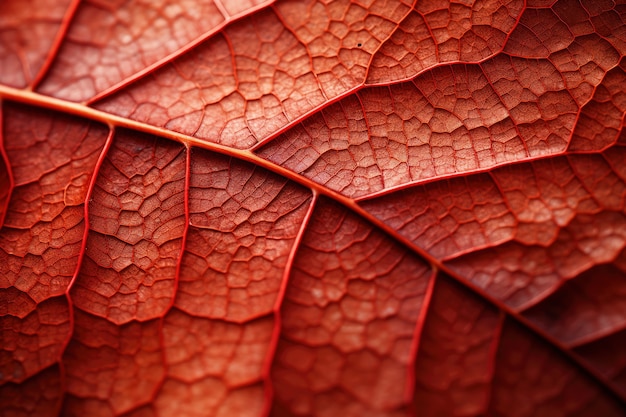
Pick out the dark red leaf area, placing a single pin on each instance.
(586, 307)
(609, 362)
(38, 396)
(532, 379)
(304, 208)
(473, 361)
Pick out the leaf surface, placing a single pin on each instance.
(311, 208)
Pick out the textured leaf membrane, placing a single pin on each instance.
(310, 208)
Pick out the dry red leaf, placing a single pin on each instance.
(310, 208)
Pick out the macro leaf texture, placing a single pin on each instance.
(291, 208)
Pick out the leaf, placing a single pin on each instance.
(308, 208)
